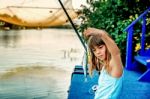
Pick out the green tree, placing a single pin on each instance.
(113, 16)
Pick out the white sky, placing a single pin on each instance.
(77, 3)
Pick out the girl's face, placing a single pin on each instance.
(100, 52)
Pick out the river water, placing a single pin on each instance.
(37, 64)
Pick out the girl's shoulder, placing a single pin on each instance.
(116, 71)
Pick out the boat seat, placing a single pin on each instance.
(78, 70)
(78, 67)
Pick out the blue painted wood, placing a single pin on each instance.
(145, 60)
(79, 88)
(143, 54)
(135, 21)
(132, 88)
(145, 77)
(78, 67)
(143, 36)
(78, 71)
(129, 49)
(147, 52)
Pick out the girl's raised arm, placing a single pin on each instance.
(111, 45)
(115, 62)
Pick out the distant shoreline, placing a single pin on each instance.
(14, 27)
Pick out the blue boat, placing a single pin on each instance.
(136, 80)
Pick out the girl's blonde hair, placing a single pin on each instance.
(94, 62)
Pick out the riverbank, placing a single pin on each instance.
(14, 27)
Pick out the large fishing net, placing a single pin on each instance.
(35, 12)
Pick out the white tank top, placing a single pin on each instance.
(108, 87)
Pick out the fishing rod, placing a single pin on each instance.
(85, 57)
(76, 31)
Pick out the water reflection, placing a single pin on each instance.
(34, 82)
(9, 39)
(70, 54)
(59, 47)
(37, 63)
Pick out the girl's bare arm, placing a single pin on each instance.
(111, 45)
(115, 62)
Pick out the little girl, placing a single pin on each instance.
(105, 58)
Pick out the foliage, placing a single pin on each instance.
(113, 16)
